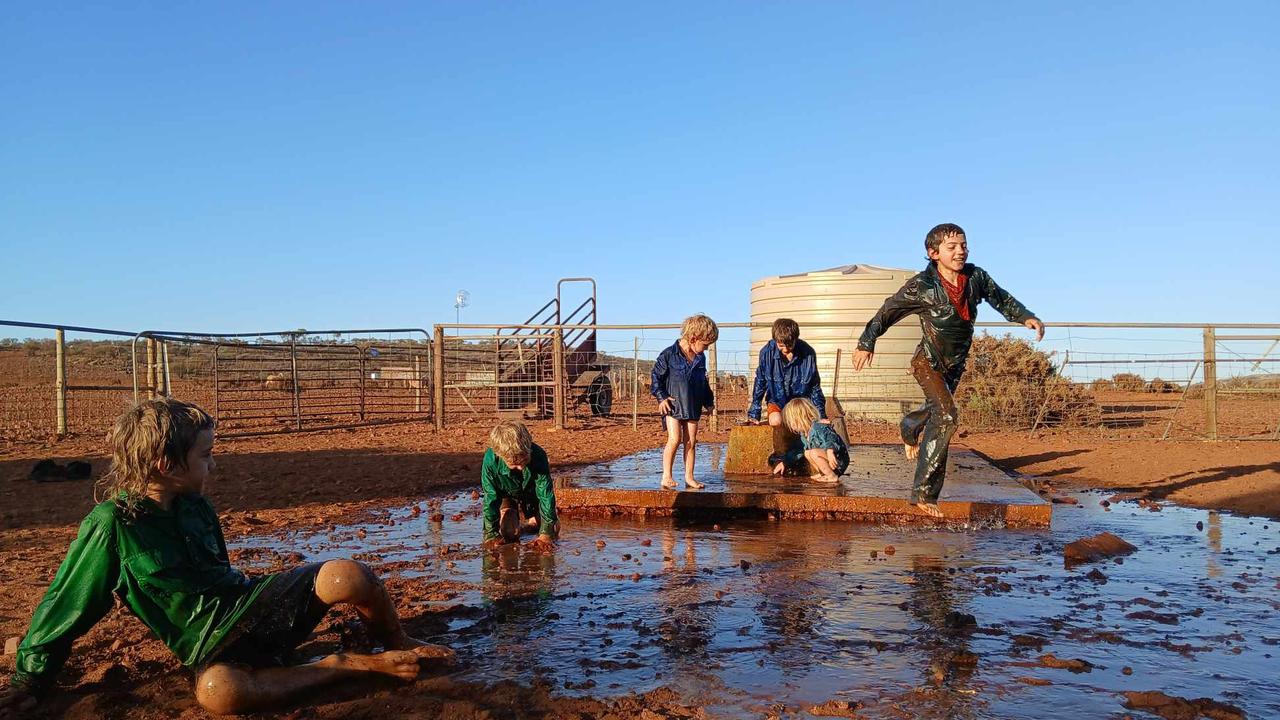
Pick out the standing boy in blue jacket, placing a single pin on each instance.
(788, 369)
(946, 297)
(679, 383)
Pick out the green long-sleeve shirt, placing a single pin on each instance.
(529, 487)
(170, 567)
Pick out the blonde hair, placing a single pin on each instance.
(150, 431)
(511, 441)
(799, 415)
(699, 327)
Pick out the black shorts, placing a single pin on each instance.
(279, 620)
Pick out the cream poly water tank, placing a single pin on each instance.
(832, 307)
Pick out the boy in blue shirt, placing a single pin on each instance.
(788, 368)
(679, 384)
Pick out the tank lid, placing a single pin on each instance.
(859, 269)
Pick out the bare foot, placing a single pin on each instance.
(828, 479)
(668, 483)
(396, 663)
(693, 484)
(912, 451)
(434, 654)
(929, 508)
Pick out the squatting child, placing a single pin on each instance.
(787, 369)
(826, 451)
(679, 384)
(515, 478)
(945, 296)
(156, 544)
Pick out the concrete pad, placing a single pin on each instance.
(875, 489)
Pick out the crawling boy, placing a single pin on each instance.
(515, 479)
(156, 544)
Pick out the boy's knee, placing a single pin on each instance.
(345, 581)
(509, 522)
(223, 689)
(775, 419)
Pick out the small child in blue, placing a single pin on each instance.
(827, 453)
(679, 384)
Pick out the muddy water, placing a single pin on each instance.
(750, 616)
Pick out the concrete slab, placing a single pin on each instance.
(875, 489)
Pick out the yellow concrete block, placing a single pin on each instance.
(751, 445)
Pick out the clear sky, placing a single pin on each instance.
(250, 166)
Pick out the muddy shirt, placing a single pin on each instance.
(529, 487)
(169, 567)
(947, 336)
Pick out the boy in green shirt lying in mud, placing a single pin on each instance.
(157, 545)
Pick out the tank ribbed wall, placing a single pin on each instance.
(849, 294)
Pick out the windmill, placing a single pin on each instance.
(461, 300)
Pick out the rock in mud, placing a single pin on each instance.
(1098, 547)
(1075, 665)
(1096, 576)
(957, 620)
(836, 708)
(1172, 707)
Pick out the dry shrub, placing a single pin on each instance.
(1102, 385)
(1008, 381)
(1128, 382)
(1161, 386)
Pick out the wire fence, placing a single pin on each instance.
(1121, 381)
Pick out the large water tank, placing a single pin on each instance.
(832, 307)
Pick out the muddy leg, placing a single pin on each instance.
(818, 461)
(350, 582)
(669, 451)
(690, 453)
(509, 521)
(931, 465)
(225, 689)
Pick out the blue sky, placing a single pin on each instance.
(249, 166)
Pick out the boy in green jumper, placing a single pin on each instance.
(156, 544)
(516, 481)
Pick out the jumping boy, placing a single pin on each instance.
(156, 544)
(679, 384)
(946, 296)
(515, 478)
(788, 368)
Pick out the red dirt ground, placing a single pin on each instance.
(117, 670)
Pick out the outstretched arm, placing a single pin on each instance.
(1006, 304)
(80, 595)
(899, 305)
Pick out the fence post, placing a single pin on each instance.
(437, 377)
(417, 385)
(711, 377)
(216, 383)
(1210, 383)
(293, 363)
(557, 376)
(163, 356)
(151, 368)
(364, 373)
(635, 385)
(60, 378)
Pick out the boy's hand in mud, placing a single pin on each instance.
(831, 458)
(542, 544)
(16, 703)
(779, 468)
(664, 407)
(1033, 323)
(862, 358)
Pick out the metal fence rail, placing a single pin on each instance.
(1122, 380)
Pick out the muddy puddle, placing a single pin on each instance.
(745, 618)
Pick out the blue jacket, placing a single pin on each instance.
(786, 380)
(684, 381)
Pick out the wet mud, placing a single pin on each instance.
(757, 618)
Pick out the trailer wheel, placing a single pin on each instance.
(600, 396)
